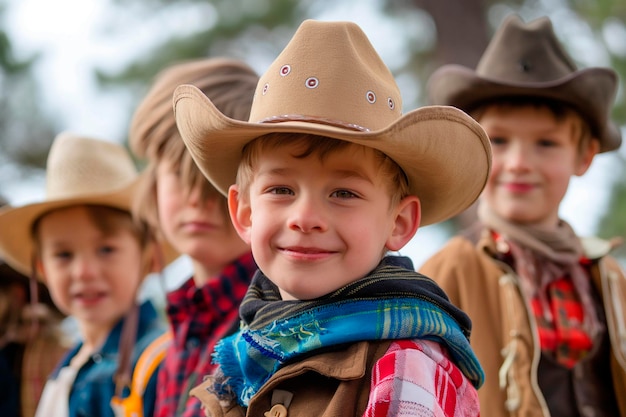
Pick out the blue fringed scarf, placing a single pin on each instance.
(393, 302)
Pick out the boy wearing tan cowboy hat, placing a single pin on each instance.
(84, 244)
(193, 217)
(548, 307)
(324, 179)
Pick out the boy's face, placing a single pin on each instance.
(534, 157)
(315, 226)
(200, 229)
(91, 276)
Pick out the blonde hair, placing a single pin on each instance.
(321, 147)
(153, 134)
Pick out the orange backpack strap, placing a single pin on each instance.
(148, 362)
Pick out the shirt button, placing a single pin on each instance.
(277, 410)
(97, 358)
(193, 343)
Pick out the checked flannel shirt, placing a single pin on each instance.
(199, 318)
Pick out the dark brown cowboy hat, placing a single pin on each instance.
(527, 60)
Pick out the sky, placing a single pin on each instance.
(73, 39)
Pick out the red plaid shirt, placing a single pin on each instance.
(563, 337)
(199, 318)
(416, 378)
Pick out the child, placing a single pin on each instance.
(547, 306)
(31, 341)
(193, 217)
(83, 243)
(328, 174)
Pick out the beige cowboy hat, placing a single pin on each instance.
(527, 60)
(330, 81)
(79, 170)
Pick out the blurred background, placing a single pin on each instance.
(83, 65)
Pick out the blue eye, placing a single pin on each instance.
(343, 194)
(281, 191)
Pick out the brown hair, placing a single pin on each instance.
(109, 220)
(230, 85)
(321, 147)
(581, 130)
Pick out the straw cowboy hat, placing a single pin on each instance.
(329, 81)
(79, 171)
(528, 60)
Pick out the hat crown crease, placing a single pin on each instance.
(78, 167)
(349, 69)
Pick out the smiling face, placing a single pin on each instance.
(195, 225)
(92, 275)
(534, 156)
(317, 223)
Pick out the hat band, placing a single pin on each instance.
(313, 119)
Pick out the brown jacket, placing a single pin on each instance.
(342, 387)
(503, 331)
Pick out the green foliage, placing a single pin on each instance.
(230, 25)
(26, 133)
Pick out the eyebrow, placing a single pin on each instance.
(339, 173)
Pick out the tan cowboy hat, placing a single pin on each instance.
(330, 81)
(528, 60)
(79, 171)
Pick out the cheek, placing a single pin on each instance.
(167, 202)
(59, 292)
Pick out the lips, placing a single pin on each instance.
(199, 226)
(306, 253)
(89, 297)
(518, 187)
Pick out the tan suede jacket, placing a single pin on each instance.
(503, 331)
(342, 388)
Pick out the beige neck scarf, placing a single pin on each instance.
(542, 256)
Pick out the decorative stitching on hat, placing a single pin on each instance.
(285, 70)
(312, 82)
(370, 96)
(313, 119)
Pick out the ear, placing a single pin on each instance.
(40, 272)
(152, 258)
(586, 156)
(407, 219)
(240, 213)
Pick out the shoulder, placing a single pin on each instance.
(458, 254)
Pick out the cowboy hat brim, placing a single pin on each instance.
(444, 152)
(16, 223)
(585, 90)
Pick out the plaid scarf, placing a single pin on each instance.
(393, 302)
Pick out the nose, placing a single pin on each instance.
(194, 196)
(84, 268)
(308, 215)
(517, 158)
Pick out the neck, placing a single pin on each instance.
(203, 273)
(93, 336)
